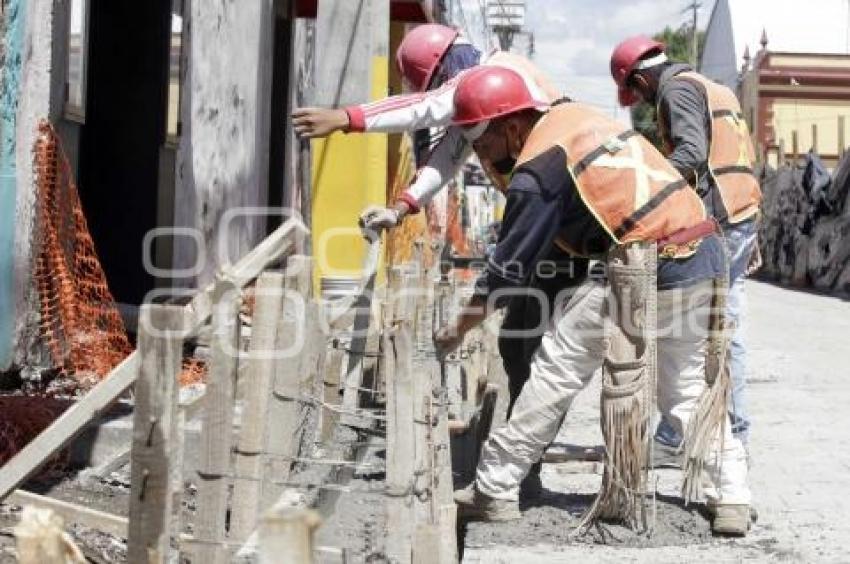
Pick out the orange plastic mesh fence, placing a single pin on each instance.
(80, 322)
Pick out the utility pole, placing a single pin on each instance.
(506, 18)
(694, 7)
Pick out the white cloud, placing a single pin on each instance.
(574, 38)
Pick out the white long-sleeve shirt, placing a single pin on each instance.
(435, 108)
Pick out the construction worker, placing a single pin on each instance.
(580, 179)
(705, 138)
(432, 59)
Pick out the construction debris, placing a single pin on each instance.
(805, 229)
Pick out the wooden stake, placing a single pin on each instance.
(217, 425)
(286, 535)
(443, 495)
(354, 368)
(281, 242)
(284, 409)
(401, 454)
(331, 387)
(152, 457)
(72, 422)
(250, 457)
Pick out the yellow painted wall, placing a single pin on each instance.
(349, 173)
(789, 116)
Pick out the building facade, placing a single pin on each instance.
(792, 73)
(174, 115)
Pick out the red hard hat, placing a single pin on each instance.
(623, 60)
(420, 53)
(487, 92)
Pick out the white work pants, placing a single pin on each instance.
(572, 350)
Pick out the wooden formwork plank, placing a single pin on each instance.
(282, 422)
(153, 461)
(72, 422)
(427, 544)
(281, 242)
(331, 389)
(258, 380)
(353, 378)
(73, 513)
(401, 454)
(286, 535)
(443, 495)
(217, 424)
(62, 431)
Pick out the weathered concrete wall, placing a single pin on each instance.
(805, 238)
(222, 162)
(34, 105)
(10, 75)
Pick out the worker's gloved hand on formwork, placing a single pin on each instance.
(319, 122)
(375, 218)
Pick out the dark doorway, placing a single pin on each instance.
(124, 130)
(280, 107)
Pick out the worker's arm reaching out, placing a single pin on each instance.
(531, 222)
(409, 112)
(396, 114)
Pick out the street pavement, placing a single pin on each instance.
(799, 375)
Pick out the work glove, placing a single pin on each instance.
(375, 218)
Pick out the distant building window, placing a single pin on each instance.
(75, 97)
(175, 55)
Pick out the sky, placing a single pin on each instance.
(574, 38)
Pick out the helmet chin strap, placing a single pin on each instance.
(651, 62)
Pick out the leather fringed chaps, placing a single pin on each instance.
(628, 385)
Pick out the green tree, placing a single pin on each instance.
(678, 42)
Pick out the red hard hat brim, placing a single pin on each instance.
(539, 106)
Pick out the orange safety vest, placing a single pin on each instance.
(730, 154)
(626, 183)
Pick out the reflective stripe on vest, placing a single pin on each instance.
(631, 189)
(730, 154)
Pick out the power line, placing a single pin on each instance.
(694, 7)
(483, 5)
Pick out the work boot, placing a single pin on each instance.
(472, 504)
(531, 487)
(731, 520)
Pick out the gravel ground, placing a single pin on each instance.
(800, 456)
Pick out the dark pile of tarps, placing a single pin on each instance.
(805, 229)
